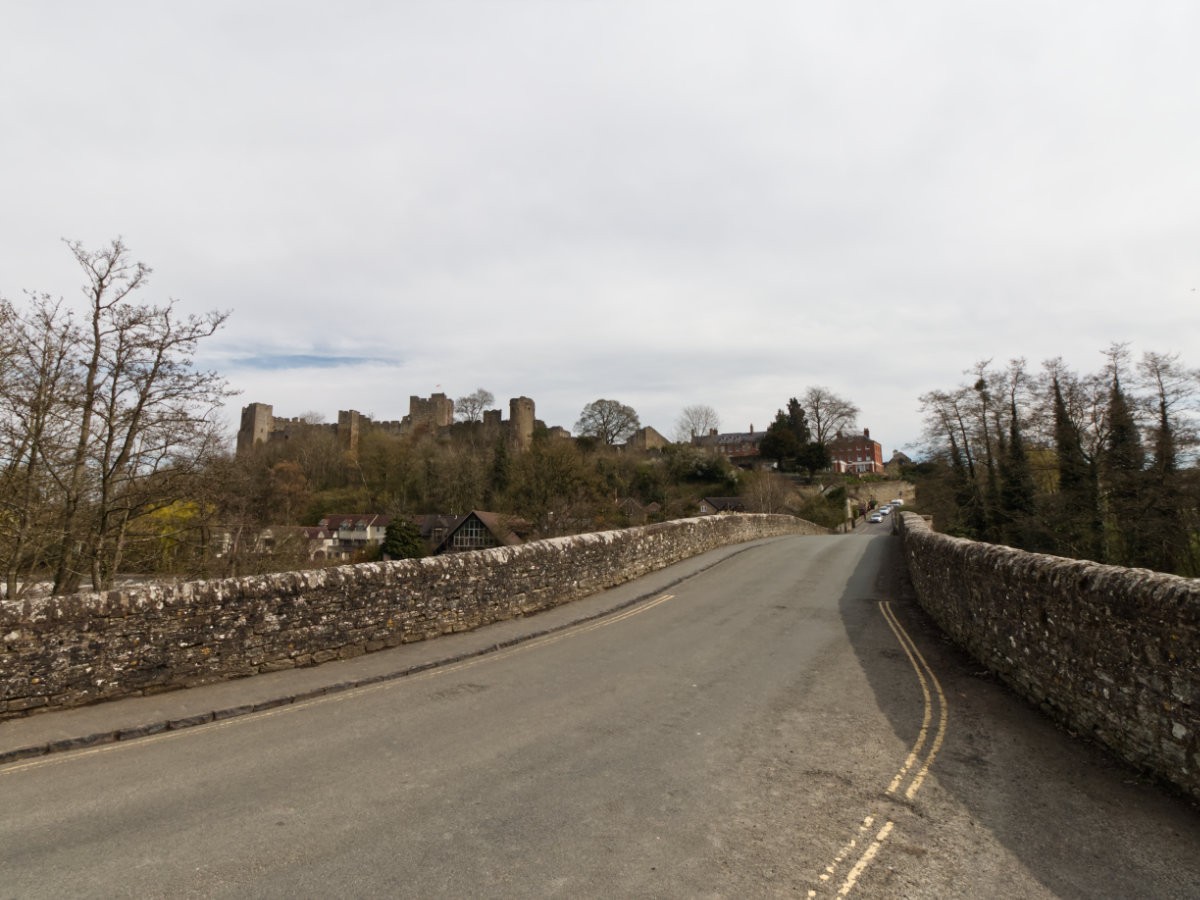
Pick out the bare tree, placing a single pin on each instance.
(828, 413)
(695, 421)
(765, 491)
(35, 352)
(471, 407)
(608, 421)
(1172, 398)
(142, 420)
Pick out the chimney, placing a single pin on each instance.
(867, 433)
(752, 428)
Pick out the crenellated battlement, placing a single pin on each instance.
(260, 425)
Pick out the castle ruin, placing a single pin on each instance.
(431, 415)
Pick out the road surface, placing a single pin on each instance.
(784, 723)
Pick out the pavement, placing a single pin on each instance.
(134, 717)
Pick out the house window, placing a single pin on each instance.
(473, 536)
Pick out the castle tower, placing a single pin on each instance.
(443, 410)
(349, 427)
(257, 419)
(520, 415)
(432, 414)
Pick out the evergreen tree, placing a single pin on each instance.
(967, 502)
(797, 421)
(402, 540)
(1164, 541)
(780, 442)
(1017, 491)
(1076, 516)
(813, 457)
(990, 512)
(1124, 459)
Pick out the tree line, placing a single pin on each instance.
(1098, 466)
(113, 457)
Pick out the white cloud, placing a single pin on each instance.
(663, 203)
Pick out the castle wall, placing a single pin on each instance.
(260, 426)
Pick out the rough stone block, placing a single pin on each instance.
(1115, 651)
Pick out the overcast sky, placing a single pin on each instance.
(661, 203)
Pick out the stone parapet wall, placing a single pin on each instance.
(1111, 653)
(60, 652)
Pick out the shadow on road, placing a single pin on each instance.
(1080, 822)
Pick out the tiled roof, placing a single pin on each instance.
(737, 437)
(726, 503)
(355, 520)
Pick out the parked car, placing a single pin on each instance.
(875, 517)
(884, 510)
(899, 501)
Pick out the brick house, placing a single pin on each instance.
(856, 454)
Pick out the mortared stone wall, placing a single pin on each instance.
(61, 652)
(1112, 653)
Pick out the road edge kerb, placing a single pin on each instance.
(158, 726)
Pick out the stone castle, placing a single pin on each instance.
(425, 415)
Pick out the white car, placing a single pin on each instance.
(884, 510)
(874, 518)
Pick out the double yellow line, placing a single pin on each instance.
(927, 678)
(914, 770)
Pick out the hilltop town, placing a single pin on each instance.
(430, 484)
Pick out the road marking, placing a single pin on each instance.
(927, 717)
(923, 669)
(426, 674)
(865, 860)
(926, 677)
(850, 845)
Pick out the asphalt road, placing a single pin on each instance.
(783, 724)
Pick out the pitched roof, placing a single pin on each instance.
(736, 437)
(726, 504)
(507, 530)
(431, 523)
(355, 520)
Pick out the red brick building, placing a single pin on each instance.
(856, 454)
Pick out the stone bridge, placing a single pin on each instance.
(1110, 653)
(62, 652)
